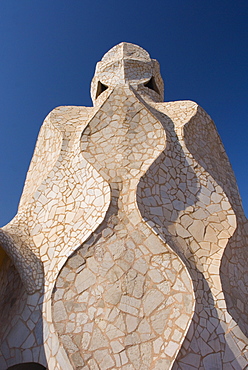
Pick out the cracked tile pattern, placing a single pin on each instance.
(129, 246)
(133, 295)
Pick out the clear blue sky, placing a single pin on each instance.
(49, 49)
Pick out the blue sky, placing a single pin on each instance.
(49, 49)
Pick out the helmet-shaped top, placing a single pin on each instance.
(128, 64)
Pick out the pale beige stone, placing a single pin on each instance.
(182, 321)
(84, 280)
(197, 230)
(162, 364)
(141, 265)
(132, 323)
(116, 346)
(113, 294)
(113, 332)
(171, 348)
(181, 231)
(154, 245)
(156, 276)
(85, 340)
(152, 300)
(98, 340)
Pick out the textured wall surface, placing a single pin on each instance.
(129, 248)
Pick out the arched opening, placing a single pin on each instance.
(151, 84)
(27, 366)
(100, 88)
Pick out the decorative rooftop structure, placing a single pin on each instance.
(129, 248)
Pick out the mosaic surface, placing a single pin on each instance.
(129, 248)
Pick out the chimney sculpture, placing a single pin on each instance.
(129, 248)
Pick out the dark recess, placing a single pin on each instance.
(27, 366)
(100, 88)
(151, 84)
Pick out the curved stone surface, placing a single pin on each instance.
(140, 291)
(129, 246)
